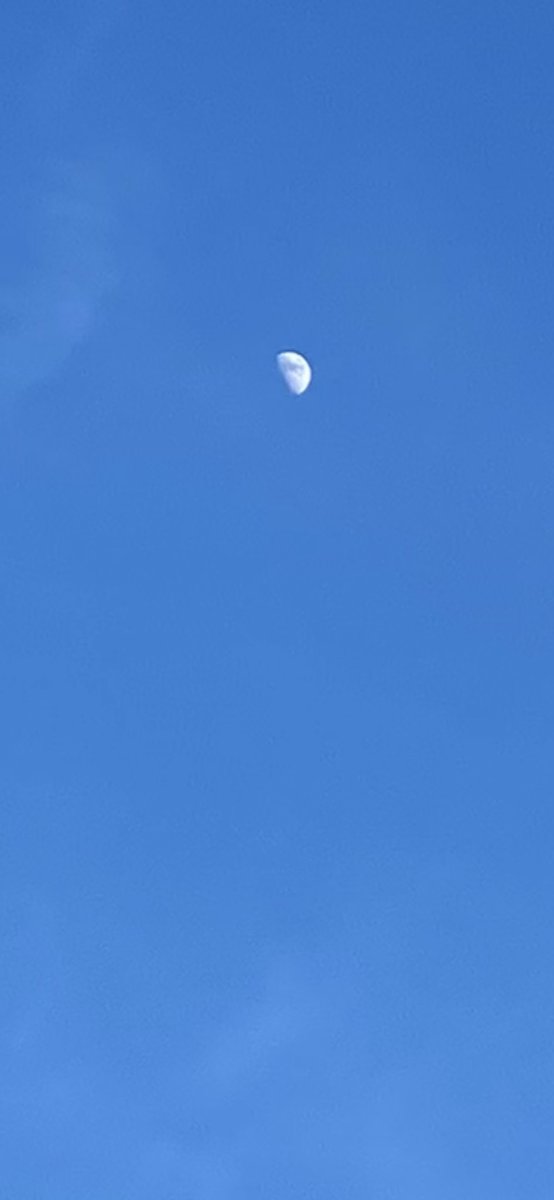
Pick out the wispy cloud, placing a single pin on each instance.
(241, 1074)
(252, 1041)
(353, 1067)
(47, 313)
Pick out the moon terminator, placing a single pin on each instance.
(296, 371)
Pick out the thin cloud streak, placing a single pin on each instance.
(46, 316)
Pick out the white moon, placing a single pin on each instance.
(296, 371)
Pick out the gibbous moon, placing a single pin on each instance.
(296, 371)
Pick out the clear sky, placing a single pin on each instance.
(276, 832)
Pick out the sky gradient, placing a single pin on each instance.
(276, 832)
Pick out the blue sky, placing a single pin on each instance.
(277, 672)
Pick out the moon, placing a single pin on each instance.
(296, 371)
